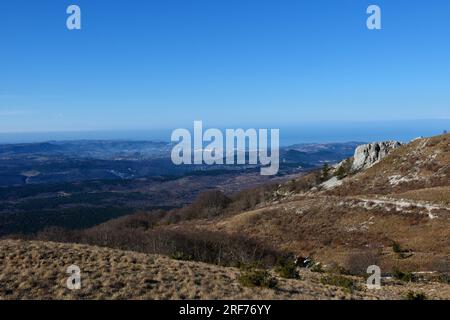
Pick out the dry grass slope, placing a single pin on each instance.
(36, 270)
(423, 163)
(404, 198)
(396, 214)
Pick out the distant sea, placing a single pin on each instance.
(302, 133)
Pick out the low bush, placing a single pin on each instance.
(317, 267)
(401, 253)
(415, 296)
(257, 278)
(344, 169)
(208, 204)
(339, 281)
(337, 269)
(287, 269)
(358, 262)
(405, 276)
(396, 247)
(444, 278)
(250, 198)
(180, 256)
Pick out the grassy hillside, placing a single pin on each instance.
(355, 224)
(36, 270)
(401, 201)
(423, 163)
(395, 214)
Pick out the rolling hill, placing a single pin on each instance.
(37, 270)
(394, 213)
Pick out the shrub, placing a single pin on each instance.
(339, 281)
(337, 269)
(325, 172)
(180, 256)
(405, 276)
(358, 262)
(340, 173)
(416, 296)
(402, 253)
(250, 198)
(212, 200)
(344, 169)
(444, 278)
(317, 267)
(396, 247)
(207, 205)
(440, 265)
(138, 220)
(287, 269)
(257, 278)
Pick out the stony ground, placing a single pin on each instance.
(37, 270)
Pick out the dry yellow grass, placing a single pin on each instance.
(36, 270)
(439, 195)
(332, 228)
(403, 198)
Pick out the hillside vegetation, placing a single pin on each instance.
(395, 214)
(353, 225)
(37, 270)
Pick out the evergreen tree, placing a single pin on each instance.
(325, 171)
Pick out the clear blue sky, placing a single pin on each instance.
(162, 64)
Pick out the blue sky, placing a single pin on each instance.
(163, 64)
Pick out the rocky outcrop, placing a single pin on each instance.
(331, 183)
(368, 154)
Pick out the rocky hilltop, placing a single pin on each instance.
(365, 156)
(368, 154)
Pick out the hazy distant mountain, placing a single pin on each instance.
(78, 184)
(96, 149)
(70, 161)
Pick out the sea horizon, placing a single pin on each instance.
(325, 132)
